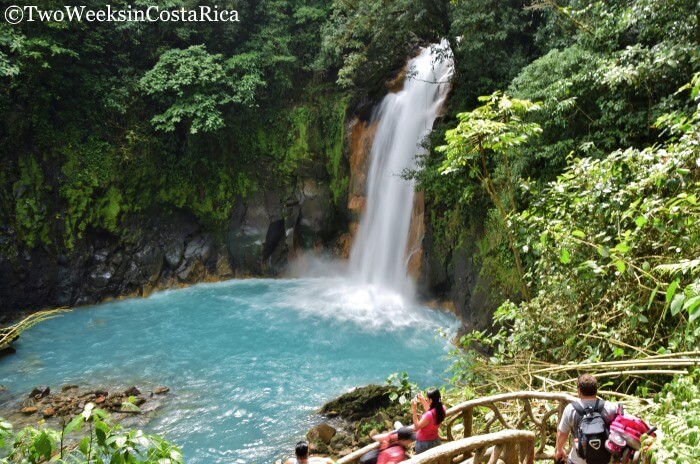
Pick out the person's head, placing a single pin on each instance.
(301, 451)
(436, 404)
(587, 385)
(405, 435)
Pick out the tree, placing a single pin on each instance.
(483, 143)
(492, 41)
(194, 85)
(366, 41)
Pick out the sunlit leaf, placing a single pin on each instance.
(75, 424)
(677, 304)
(620, 266)
(671, 290)
(43, 445)
(564, 256)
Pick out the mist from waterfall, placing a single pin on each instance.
(379, 254)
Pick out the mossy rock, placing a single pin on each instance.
(362, 402)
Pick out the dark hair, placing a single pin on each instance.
(437, 405)
(587, 384)
(405, 433)
(302, 449)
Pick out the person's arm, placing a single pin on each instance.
(381, 436)
(424, 401)
(559, 453)
(563, 430)
(318, 460)
(418, 424)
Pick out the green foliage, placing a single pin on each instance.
(9, 41)
(606, 245)
(615, 70)
(88, 189)
(102, 443)
(122, 118)
(492, 134)
(367, 426)
(492, 41)
(495, 128)
(30, 208)
(677, 415)
(465, 358)
(332, 121)
(405, 389)
(194, 84)
(367, 40)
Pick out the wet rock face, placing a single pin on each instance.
(161, 251)
(267, 229)
(453, 274)
(153, 252)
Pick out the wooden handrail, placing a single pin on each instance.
(512, 446)
(519, 395)
(465, 412)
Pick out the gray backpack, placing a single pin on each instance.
(592, 432)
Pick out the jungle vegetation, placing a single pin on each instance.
(570, 144)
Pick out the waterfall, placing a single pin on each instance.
(379, 254)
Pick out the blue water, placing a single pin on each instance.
(248, 362)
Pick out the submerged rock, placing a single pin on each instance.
(161, 390)
(71, 401)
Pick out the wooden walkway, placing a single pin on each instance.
(511, 428)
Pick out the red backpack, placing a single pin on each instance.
(625, 433)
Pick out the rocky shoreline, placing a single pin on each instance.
(350, 420)
(347, 422)
(130, 406)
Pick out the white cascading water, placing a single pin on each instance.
(379, 254)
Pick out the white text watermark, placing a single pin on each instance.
(31, 13)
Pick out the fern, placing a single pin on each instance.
(677, 416)
(685, 266)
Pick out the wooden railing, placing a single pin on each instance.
(506, 446)
(534, 413)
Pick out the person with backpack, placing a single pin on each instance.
(588, 420)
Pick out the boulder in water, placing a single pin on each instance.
(40, 392)
(132, 391)
(161, 390)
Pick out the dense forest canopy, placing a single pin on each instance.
(168, 103)
(580, 211)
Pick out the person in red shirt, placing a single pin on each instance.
(427, 427)
(393, 445)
